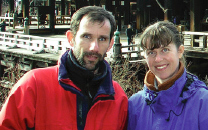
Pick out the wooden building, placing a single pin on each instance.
(187, 14)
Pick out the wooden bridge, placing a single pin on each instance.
(34, 26)
(25, 52)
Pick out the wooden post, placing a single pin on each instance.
(204, 42)
(168, 6)
(137, 41)
(14, 20)
(194, 15)
(117, 47)
(52, 15)
(26, 25)
(192, 40)
(0, 6)
(62, 7)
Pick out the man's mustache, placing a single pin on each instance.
(93, 53)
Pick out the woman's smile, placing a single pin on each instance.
(161, 67)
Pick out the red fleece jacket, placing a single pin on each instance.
(45, 105)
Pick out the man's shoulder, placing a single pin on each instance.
(118, 88)
(46, 70)
(38, 75)
(116, 84)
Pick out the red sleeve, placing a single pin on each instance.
(18, 111)
(123, 105)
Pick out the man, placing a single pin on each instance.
(129, 33)
(79, 93)
(3, 26)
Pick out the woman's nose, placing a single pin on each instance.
(158, 57)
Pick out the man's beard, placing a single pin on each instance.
(80, 58)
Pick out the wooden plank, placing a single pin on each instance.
(34, 43)
(194, 33)
(19, 52)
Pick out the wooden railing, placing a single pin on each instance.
(62, 19)
(34, 20)
(135, 52)
(192, 41)
(121, 51)
(195, 39)
(59, 20)
(33, 43)
(8, 20)
(195, 46)
(20, 53)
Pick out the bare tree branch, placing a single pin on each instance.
(164, 10)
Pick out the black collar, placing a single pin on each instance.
(84, 78)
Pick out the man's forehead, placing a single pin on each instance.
(88, 21)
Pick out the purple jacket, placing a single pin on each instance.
(177, 108)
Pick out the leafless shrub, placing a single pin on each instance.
(126, 74)
(11, 75)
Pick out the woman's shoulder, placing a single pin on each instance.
(198, 88)
(137, 96)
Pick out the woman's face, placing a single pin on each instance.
(163, 62)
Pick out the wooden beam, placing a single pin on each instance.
(195, 15)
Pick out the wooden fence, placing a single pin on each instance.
(35, 44)
(195, 46)
(192, 41)
(21, 53)
(195, 39)
(35, 20)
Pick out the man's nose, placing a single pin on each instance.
(94, 45)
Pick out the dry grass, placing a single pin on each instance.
(129, 76)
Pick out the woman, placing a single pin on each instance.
(172, 99)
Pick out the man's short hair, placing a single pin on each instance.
(96, 14)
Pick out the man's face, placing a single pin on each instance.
(91, 42)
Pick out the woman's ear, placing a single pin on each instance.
(181, 51)
(69, 36)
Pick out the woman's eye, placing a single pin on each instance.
(150, 53)
(165, 50)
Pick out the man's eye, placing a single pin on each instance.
(102, 39)
(86, 36)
